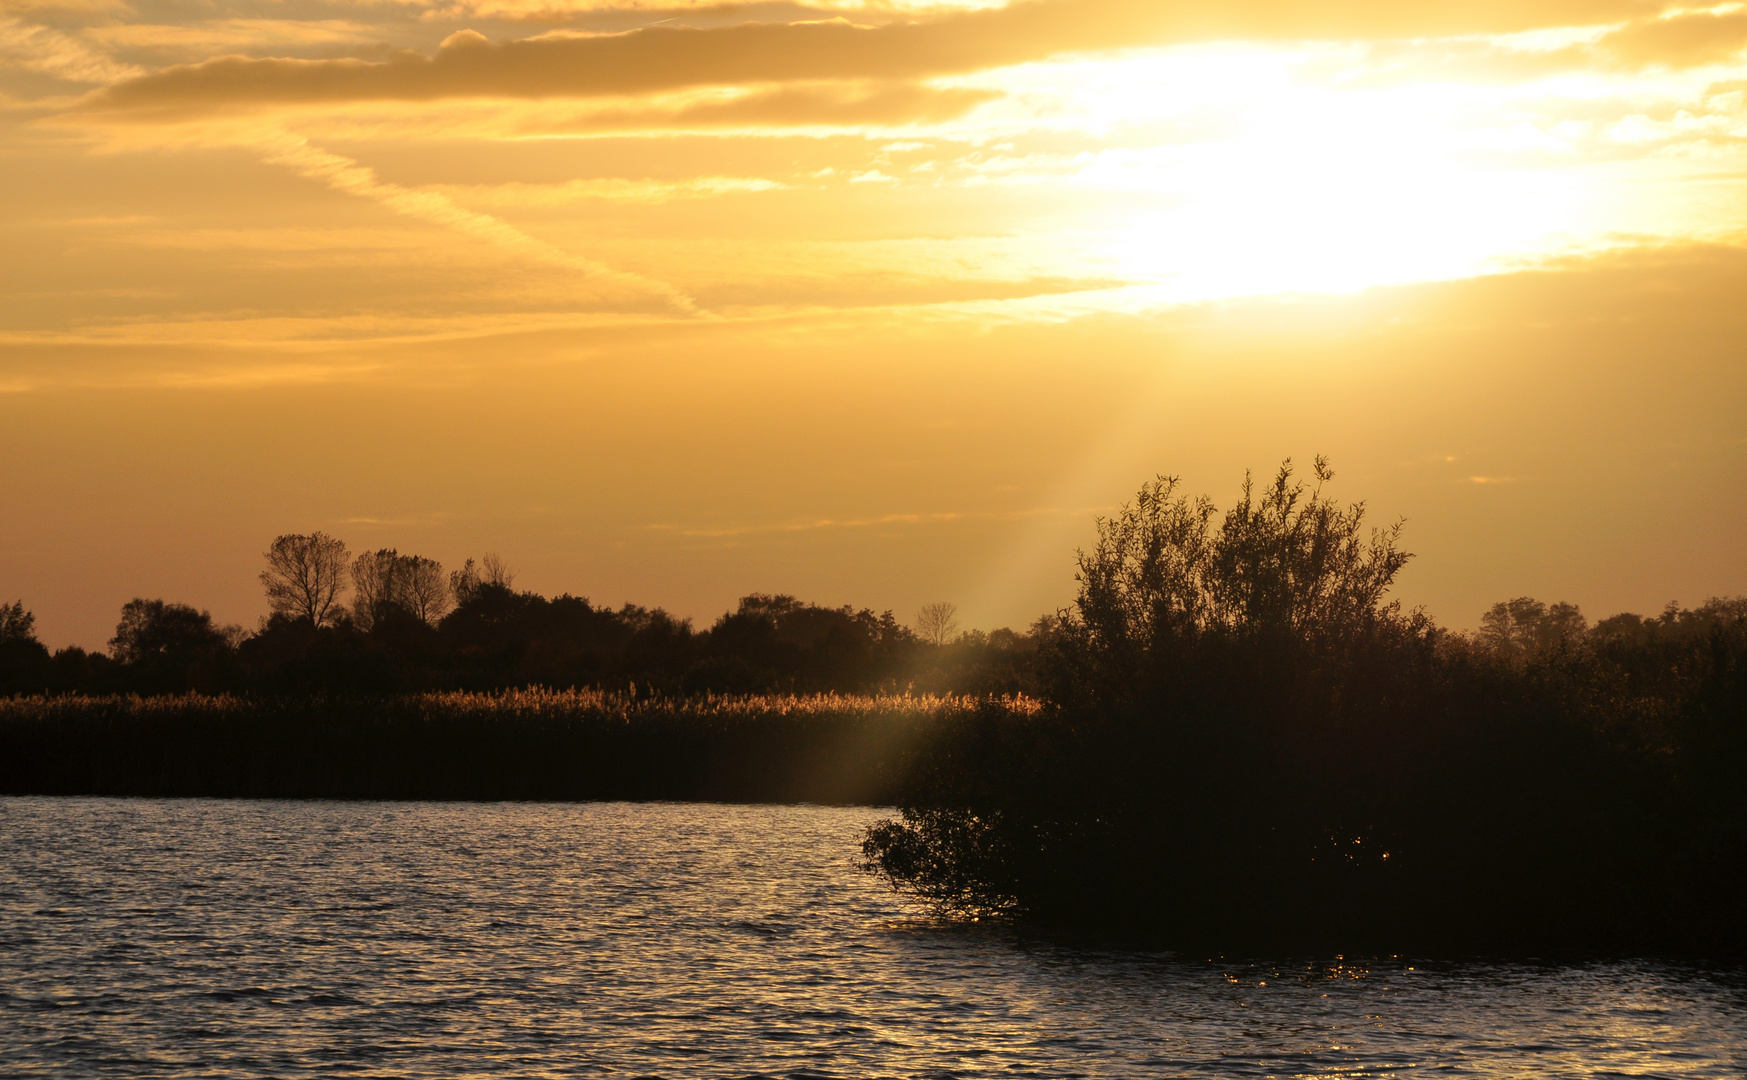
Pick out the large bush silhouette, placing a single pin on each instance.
(1251, 745)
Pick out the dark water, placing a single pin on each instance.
(143, 938)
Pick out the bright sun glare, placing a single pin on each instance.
(1268, 170)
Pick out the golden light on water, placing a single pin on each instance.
(871, 303)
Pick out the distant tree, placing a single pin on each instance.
(305, 576)
(373, 585)
(423, 591)
(937, 623)
(495, 571)
(1526, 627)
(1509, 626)
(385, 579)
(776, 643)
(151, 628)
(23, 660)
(465, 583)
(16, 624)
(1565, 622)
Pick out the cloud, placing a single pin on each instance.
(615, 189)
(616, 14)
(1686, 39)
(50, 52)
(254, 35)
(717, 532)
(829, 104)
(645, 61)
(104, 7)
(724, 531)
(671, 57)
(1675, 40)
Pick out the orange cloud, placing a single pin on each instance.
(1680, 39)
(662, 58)
(50, 52)
(829, 104)
(1684, 40)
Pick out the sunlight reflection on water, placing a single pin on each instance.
(156, 938)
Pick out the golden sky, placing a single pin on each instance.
(875, 303)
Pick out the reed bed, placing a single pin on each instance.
(515, 744)
(630, 707)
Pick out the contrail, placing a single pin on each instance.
(344, 174)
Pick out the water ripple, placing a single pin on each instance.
(219, 939)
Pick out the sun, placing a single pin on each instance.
(1287, 186)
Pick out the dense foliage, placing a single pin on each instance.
(1249, 747)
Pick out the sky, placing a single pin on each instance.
(873, 303)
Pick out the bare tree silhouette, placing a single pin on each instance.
(423, 590)
(937, 623)
(465, 583)
(305, 575)
(373, 585)
(385, 579)
(495, 571)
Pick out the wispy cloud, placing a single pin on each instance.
(322, 333)
(229, 35)
(1680, 38)
(66, 7)
(716, 532)
(722, 531)
(50, 52)
(612, 189)
(251, 373)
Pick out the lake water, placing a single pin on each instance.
(196, 938)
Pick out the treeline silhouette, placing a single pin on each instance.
(410, 628)
(1248, 746)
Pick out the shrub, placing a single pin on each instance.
(1248, 745)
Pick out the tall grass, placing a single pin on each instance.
(517, 744)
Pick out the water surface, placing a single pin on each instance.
(205, 938)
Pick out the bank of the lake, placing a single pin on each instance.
(518, 744)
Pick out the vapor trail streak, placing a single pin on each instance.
(344, 174)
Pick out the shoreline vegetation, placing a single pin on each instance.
(535, 744)
(1232, 740)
